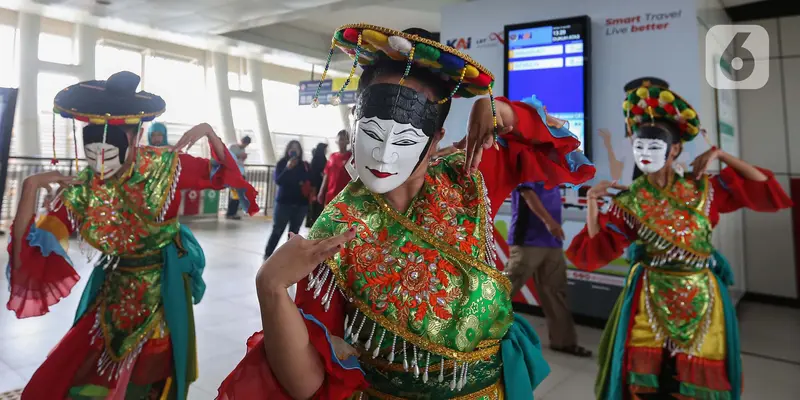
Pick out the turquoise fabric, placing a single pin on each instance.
(47, 244)
(722, 270)
(190, 263)
(173, 292)
(524, 367)
(615, 390)
(351, 362)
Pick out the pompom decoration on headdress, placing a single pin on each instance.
(648, 103)
(368, 43)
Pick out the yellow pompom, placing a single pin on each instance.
(471, 72)
(375, 38)
(688, 114)
(692, 130)
(642, 92)
(666, 96)
(626, 105)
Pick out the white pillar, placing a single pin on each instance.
(344, 110)
(86, 41)
(267, 148)
(27, 120)
(224, 96)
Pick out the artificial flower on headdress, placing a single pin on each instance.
(649, 103)
(366, 44)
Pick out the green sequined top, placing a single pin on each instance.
(426, 279)
(124, 215)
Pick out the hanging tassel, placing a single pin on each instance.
(337, 98)
(103, 153)
(455, 89)
(54, 160)
(315, 102)
(408, 64)
(494, 117)
(75, 145)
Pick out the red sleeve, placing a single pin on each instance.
(45, 275)
(329, 164)
(532, 153)
(590, 254)
(253, 377)
(200, 173)
(732, 192)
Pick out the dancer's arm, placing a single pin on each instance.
(605, 236)
(296, 362)
(40, 272)
(741, 185)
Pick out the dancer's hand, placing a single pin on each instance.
(600, 189)
(703, 161)
(193, 135)
(481, 130)
(296, 259)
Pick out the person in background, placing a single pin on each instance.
(233, 198)
(157, 135)
(292, 176)
(336, 176)
(318, 163)
(536, 240)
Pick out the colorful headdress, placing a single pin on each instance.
(366, 44)
(650, 102)
(114, 101)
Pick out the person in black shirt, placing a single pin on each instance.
(318, 162)
(292, 176)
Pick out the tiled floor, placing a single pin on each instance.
(229, 314)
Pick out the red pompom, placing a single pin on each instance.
(636, 110)
(481, 80)
(670, 109)
(53, 161)
(652, 102)
(351, 35)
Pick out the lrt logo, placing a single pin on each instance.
(494, 39)
(460, 43)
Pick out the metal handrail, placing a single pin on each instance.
(261, 176)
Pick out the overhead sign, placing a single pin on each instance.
(329, 88)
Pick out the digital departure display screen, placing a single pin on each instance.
(549, 59)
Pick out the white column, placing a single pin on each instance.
(267, 148)
(27, 120)
(344, 110)
(86, 40)
(224, 95)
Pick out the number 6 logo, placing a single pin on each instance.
(737, 57)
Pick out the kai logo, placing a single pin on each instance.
(460, 43)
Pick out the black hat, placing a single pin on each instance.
(114, 101)
(646, 81)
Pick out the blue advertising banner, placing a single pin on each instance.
(329, 88)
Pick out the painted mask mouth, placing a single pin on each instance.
(379, 174)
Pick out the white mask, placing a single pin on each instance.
(386, 152)
(650, 155)
(95, 154)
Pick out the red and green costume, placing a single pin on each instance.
(418, 292)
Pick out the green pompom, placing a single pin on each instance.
(654, 92)
(426, 52)
(659, 111)
(694, 121)
(633, 98)
(680, 104)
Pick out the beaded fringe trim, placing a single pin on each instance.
(670, 252)
(172, 191)
(696, 344)
(323, 283)
(106, 365)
